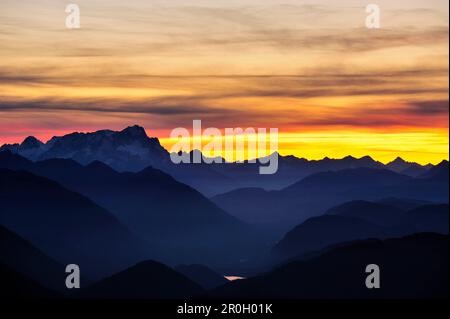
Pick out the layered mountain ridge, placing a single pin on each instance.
(132, 150)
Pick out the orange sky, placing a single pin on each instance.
(311, 69)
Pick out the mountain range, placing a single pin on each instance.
(18, 286)
(128, 150)
(24, 258)
(411, 267)
(65, 225)
(361, 220)
(145, 280)
(131, 150)
(318, 192)
(204, 276)
(180, 224)
(142, 227)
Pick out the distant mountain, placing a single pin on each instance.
(430, 218)
(146, 280)
(185, 225)
(425, 218)
(399, 165)
(316, 193)
(319, 232)
(15, 285)
(66, 226)
(290, 170)
(21, 256)
(361, 220)
(375, 213)
(202, 275)
(131, 150)
(347, 179)
(128, 150)
(403, 203)
(246, 204)
(205, 178)
(30, 148)
(415, 171)
(439, 172)
(412, 267)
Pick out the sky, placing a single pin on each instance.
(309, 68)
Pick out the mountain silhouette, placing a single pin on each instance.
(430, 218)
(290, 170)
(146, 280)
(319, 232)
(316, 193)
(182, 223)
(439, 172)
(65, 225)
(242, 203)
(412, 267)
(128, 150)
(131, 150)
(375, 213)
(403, 203)
(202, 275)
(15, 285)
(30, 148)
(361, 220)
(21, 256)
(399, 165)
(425, 218)
(415, 170)
(347, 179)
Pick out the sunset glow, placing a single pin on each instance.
(311, 69)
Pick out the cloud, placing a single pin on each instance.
(430, 107)
(309, 83)
(163, 106)
(344, 41)
(176, 111)
(415, 114)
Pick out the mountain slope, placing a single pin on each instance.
(410, 267)
(21, 256)
(30, 148)
(319, 232)
(128, 150)
(316, 193)
(146, 280)
(132, 150)
(347, 179)
(430, 218)
(65, 225)
(424, 218)
(403, 203)
(376, 213)
(399, 165)
(361, 220)
(439, 172)
(204, 276)
(15, 285)
(173, 216)
(244, 203)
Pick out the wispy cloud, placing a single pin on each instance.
(291, 64)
